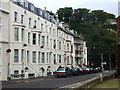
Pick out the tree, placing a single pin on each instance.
(60, 14)
(65, 14)
(82, 14)
(91, 25)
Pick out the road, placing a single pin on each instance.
(52, 82)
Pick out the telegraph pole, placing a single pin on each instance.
(118, 47)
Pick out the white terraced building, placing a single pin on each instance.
(32, 42)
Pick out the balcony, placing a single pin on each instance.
(78, 43)
(36, 30)
(68, 40)
(18, 24)
(79, 56)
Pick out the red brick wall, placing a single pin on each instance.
(118, 59)
(118, 47)
(118, 23)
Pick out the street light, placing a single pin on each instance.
(110, 58)
(102, 62)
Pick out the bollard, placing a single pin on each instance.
(99, 75)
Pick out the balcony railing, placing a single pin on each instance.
(79, 55)
(78, 42)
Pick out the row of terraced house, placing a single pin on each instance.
(32, 41)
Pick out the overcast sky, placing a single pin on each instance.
(110, 6)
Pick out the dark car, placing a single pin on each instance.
(91, 70)
(76, 71)
(87, 70)
(82, 71)
(97, 69)
(63, 72)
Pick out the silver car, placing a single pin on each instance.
(63, 72)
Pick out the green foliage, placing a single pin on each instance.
(113, 27)
(81, 14)
(91, 25)
(65, 14)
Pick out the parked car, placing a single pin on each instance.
(63, 72)
(81, 71)
(76, 71)
(97, 69)
(91, 70)
(87, 70)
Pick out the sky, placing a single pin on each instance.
(110, 6)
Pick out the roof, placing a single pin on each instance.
(111, 21)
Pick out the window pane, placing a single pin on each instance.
(43, 40)
(28, 56)
(22, 55)
(28, 38)
(16, 55)
(34, 57)
(38, 57)
(41, 26)
(15, 16)
(29, 22)
(16, 34)
(47, 41)
(38, 39)
(16, 72)
(34, 39)
(43, 57)
(47, 57)
(59, 58)
(22, 34)
(22, 18)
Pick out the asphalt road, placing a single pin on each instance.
(52, 82)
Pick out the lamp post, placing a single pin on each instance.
(110, 59)
(102, 62)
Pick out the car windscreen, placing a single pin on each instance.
(74, 69)
(61, 69)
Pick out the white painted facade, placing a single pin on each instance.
(4, 45)
(30, 43)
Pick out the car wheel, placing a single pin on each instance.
(66, 75)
